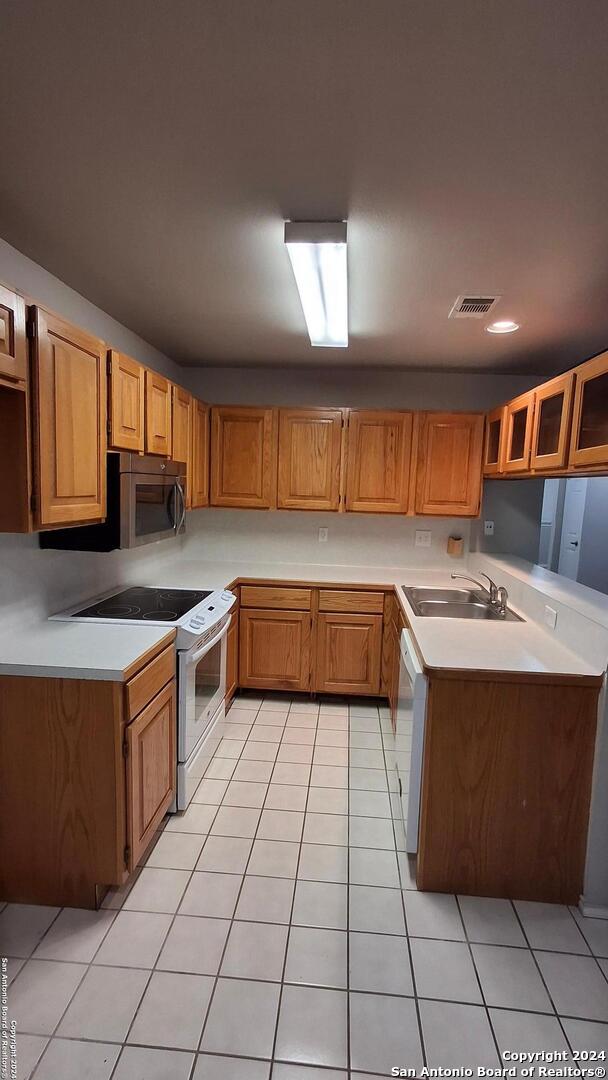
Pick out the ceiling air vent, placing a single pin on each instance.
(473, 307)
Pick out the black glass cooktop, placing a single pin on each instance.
(143, 603)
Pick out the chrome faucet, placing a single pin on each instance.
(498, 595)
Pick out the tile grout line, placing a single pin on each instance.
(542, 977)
(293, 900)
(216, 977)
(154, 968)
(486, 1007)
(402, 898)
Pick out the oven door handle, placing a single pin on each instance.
(195, 657)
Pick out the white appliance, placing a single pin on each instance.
(409, 737)
(201, 619)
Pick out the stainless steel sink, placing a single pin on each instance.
(448, 603)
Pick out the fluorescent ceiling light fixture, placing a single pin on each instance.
(503, 326)
(317, 250)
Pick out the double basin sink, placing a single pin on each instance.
(455, 604)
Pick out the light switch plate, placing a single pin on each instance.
(488, 528)
(550, 617)
(423, 538)
(323, 534)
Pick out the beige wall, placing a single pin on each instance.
(355, 387)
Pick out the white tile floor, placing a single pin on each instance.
(276, 932)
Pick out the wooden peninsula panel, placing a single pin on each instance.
(506, 788)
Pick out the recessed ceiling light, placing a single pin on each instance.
(503, 326)
(317, 250)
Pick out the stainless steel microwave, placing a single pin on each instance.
(145, 502)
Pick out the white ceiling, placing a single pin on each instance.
(150, 152)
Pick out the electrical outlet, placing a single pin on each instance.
(323, 534)
(550, 617)
(423, 538)
(488, 528)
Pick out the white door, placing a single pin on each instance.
(572, 527)
(548, 520)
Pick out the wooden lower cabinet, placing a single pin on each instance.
(274, 649)
(310, 638)
(506, 787)
(150, 747)
(89, 781)
(348, 653)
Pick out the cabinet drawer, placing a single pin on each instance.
(349, 600)
(143, 686)
(267, 596)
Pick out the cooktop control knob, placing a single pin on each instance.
(226, 595)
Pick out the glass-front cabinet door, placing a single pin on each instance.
(551, 427)
(589, 444)
(518, 433)
(495, 426)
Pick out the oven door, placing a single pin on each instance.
(201, 688)
(151, 508)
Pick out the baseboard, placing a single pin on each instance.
(593, 911)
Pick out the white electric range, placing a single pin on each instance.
(201, 619)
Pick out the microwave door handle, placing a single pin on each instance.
(183, 506)
(171, 508)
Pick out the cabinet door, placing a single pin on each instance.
(589, 444)
(150, 746)
(13, 348)
(274, 649)
(551, 424)
(232, 657)
(518, 433)
(493, 446)
(310, 451)
(449, 464)
(199, 487)
(348, 654)
(181, 439)
(69, 422)
(126, 402)
(379, 454)
(158, 414)
(243, 457)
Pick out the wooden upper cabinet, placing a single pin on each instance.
(181, 427)
(494, 441)
(589, 444)
(13, 347)
(243, 456)
(450, 447)
(158, 414)
(378, 468)
(199, 458)
(126, 402)
(551, 423)
(519, 415)
(69, 422)
(310, 453)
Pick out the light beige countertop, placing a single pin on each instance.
(65, 650)
(94, 651)
(453, 644)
